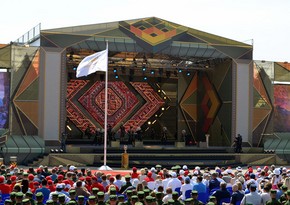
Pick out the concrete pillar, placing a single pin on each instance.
(51, 94)
(242, 99)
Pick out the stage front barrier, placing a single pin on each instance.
(179, 144)
(115, 143)
(138, 144)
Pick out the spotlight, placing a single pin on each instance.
(162, 108)
(115, 70)
(188, 73)
(145, 78)
(52, 150)
(116, 76)
(152, 72)
(179, 70)
(143, 68)
(74, 68)
(61, 150)
(56, 150)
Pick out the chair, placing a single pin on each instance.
(178, 190)
(203, 197)
(187, 194)
(225, 200)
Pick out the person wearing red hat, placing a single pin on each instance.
(149, 177)
(30, 180)
(35, 186)
(51, 186)
(4, 188)
(59, 178)
(134, 173)
(111, 183)
(88, 183)
(97, 184)
(13, 182)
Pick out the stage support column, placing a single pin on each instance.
(52, 95)
(242, 99)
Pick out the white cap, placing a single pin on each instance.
(173, 174)
(153, 169)
(184, 167)
(71, 168)
(277, 171)
(181, 172)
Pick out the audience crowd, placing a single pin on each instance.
(156, 186)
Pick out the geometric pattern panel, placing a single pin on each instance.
(153, 103)
(26, 98)
(121, 101)
(262, 107)
(85, 106)
(190, 107)
(281, 72)
(210, 103)
(75, 115)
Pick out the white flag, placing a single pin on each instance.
(92, 63)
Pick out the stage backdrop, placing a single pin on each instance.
(4, 99)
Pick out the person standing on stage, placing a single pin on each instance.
(164, 135)
(122, 132)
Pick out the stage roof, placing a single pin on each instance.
(147, 35)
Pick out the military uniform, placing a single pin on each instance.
(194, 195)
(39, 198)
(273, 200)
(101, 198)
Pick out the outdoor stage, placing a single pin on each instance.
(166, 155)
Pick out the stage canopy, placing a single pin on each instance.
(147, 35)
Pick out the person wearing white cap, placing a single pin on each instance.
(276, 178)
(174, 183)
(239, 169)
(184, 167)
(153, 170)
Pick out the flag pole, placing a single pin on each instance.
(105, 167)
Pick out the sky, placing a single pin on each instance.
(263, 23)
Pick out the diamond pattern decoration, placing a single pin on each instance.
(210, 103)
(152, 105)
(155, 31)
(121, 102)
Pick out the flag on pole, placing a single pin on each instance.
(92, 63)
